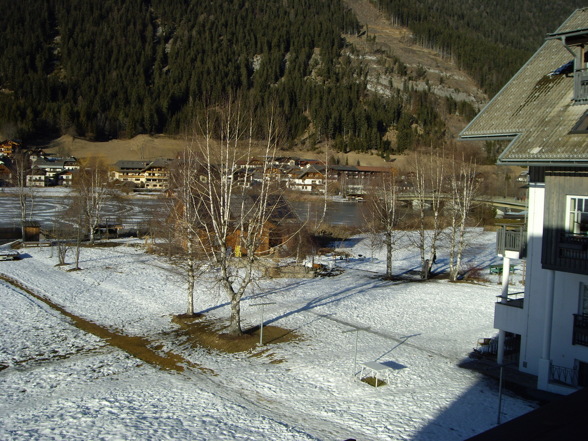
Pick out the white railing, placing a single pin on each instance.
(564, 375)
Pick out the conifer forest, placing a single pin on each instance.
(117, 68)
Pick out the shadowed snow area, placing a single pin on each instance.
(60, 382)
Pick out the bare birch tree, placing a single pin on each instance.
(384, 213)
(231, 215)
(21, 165)
(185, 218)
(464, 188)
(91, 191)
(429, 182)
(61, 234)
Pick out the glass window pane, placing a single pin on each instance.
(584, 222)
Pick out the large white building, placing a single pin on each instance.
(153, 175)
(543, 113)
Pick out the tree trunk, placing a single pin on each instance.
(235, 321)
(389, 255)
(191, 278)
(78, 245)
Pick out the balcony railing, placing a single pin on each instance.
(580, 336)
(515, 299)
(581, 86)
(511, 239)
(573, 246)
(563, 375)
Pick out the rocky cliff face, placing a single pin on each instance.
(396, 63)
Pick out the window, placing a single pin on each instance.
(578, 215)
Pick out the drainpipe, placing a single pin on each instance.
(503, 299)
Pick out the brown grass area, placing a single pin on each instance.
(205, 333)
(146, 147)
(374, 382)
(138, 148)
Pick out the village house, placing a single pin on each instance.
(310, 179)
(8, 147)
(37, 178)
(276, 233)
(277, 230)
(543, 113)
(151, 175)
(49, 172)
(356, 180)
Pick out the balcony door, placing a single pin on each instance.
(582, 374)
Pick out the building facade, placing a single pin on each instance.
(543, 113)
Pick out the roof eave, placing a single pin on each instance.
(489, 137)
(543, 163)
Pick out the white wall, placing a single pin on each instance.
(536, 283)
(566, 304)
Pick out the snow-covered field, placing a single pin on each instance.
(62, 383)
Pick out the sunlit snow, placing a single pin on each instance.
(59, 382)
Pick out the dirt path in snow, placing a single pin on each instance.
(138, 347)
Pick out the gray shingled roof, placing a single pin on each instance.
(535, 111)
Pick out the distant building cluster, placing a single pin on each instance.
(292, 173)
(38, 168)
(303, 175)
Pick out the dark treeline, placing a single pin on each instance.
(489, 39)
(116, 68)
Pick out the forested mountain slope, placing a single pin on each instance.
(488, 39)
(116, 68)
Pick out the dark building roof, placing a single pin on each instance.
(126, 165)
(538, 110)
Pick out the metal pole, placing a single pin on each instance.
(356, 330)
(355, 356)
(261, 324)
(261, 328)
(499, 396)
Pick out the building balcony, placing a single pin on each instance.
(580, 336)
(513, 299)
(511, 241)
(509, 314)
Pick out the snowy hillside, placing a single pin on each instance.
(58, 382)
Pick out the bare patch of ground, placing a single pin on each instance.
(141, 147)
(147, 147)
(196, 330)
(202, 332)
